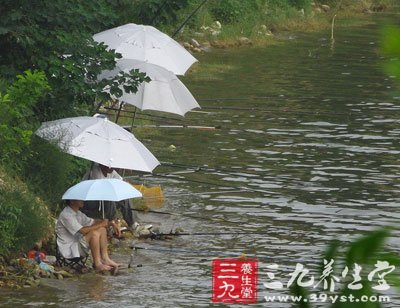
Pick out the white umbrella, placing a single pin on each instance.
(99, 140)
(146, 43)
(165, 92)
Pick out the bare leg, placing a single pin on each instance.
(93, 238)
(104, 249)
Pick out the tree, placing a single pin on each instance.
(56, 38)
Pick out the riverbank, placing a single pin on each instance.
(264, 32)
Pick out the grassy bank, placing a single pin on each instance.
(226, 24)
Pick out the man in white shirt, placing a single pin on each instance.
(77, 233)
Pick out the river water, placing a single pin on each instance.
(305, 151)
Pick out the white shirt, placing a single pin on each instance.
(67, 228)
(95, 173)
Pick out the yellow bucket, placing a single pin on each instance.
(152, 196)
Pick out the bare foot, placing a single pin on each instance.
(111, 263)
(103, 267)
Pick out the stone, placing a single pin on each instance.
(216, 25)
(325, 7)
(195, 43)
(244, 41)
(187, 45)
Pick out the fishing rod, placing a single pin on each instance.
(274, 110)
(199, 252)
(131, 262)
(196, 168)
(143, 114)
(215, 184)
(155, 235)
(187, 19)
(199, 127)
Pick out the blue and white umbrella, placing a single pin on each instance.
(102, 190)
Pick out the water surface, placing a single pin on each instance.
(306, 151)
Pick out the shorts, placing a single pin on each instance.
(83, 247)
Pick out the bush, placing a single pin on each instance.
(17, 116)
(231, 11)
(24, 218)
(156, 12)
(49, 171)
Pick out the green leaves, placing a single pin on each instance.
(365, 254)
(365, 249)
(16, 110)
(391, 47)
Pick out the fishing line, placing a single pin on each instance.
(214, 184)
(210, 219)
(131, 263)
(200, 252)
(283, 97)
(194, 194)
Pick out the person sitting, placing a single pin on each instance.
(91, 208)
(77, 234)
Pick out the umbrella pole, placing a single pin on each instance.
(133, 118)
(119, 111)
(102, 207)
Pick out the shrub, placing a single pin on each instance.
(231, 11)
(24, 218)
(16, 116)
(49, 171)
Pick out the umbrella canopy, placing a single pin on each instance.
(99, 140)
(103, 190)
(165, 92)
(146, 43)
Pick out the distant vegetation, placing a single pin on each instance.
(48, 68)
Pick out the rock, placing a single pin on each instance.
(195, 49)
(65, 274)
(216, 25)
(115, 241)
(378, 7)
(59, 276)
(263, 28)
(325, 7)
(187, 45)
(318, 10)
(195, 43)
(205, 48)
(199, 34)
(244, 41)
(215, 32)
(217, 44)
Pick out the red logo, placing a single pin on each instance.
(234, 280)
